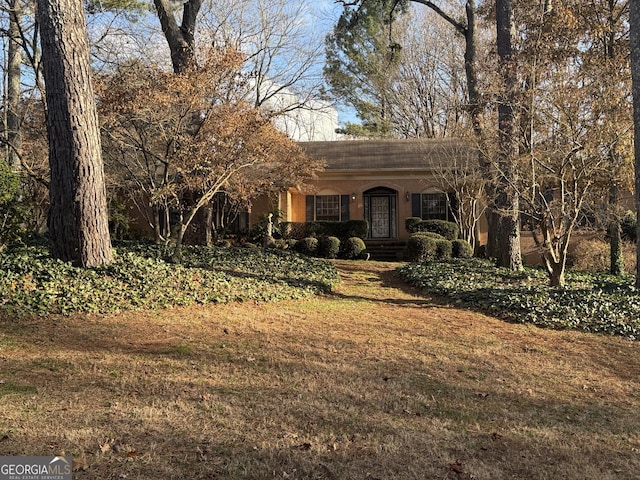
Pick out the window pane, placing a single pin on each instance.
(328, 208)
(434, 206)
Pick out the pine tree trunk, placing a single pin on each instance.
(508, 204)
(634, 33)
(78, 215)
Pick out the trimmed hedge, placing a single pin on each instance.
(435, 236)
(410, 223)
(443, 249)
(328, 247)
(341, 230)
(426, 246)
(293, 230)
(307, 246)
(420, 248)
(353, 248)
(461, 249)
(448, 230)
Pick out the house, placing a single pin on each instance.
(381, 181)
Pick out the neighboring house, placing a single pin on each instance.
(381, 181)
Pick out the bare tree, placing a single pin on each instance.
(428, 96)
(463, 175)
(182, 139)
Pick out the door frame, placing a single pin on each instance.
(392, 213)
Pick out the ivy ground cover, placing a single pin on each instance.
(596, 303)
(33, 283)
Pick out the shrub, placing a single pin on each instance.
(292, 230)
(443, 249)
(356, 228)
(448, 230)
(461, 249)
(593, 255)
(119, 219)
(314, 229)
(277, 243)
(341, 230)
(259, 230)
(629, 225)
(410, 224)
(307, 246)
(329, 247)
(435, 236)
(353, 247)
(12, 211)
(420, 248)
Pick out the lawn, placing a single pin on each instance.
(373, 381)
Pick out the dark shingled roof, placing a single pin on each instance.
(359, 155)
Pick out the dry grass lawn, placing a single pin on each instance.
(374, 382)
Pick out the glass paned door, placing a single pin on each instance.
(380, 218)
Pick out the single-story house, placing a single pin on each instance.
(381, 181)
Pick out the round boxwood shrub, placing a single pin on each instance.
(461, 249)
(420, 248)
(353, 247)
(329, 247)
(307, 246)
(443, 249)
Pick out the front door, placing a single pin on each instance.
(380, 216)
(380, 212)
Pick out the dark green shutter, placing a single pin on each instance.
(311, 207)
(416, 199)
(344, 207)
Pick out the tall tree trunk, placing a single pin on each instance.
(181, 38)
(78, 215)
(634, 34)
(615, 233)
(477, 104)
(14, 137)
(508, 201)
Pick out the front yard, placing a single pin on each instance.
(372, 381)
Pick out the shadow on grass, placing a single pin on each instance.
(275, 279)
(383, 286)
(313, 420)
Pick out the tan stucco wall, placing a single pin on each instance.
(405, 185)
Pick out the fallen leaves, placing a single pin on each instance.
(119, 449)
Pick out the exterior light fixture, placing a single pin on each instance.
(407, 196)
(353, 196)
